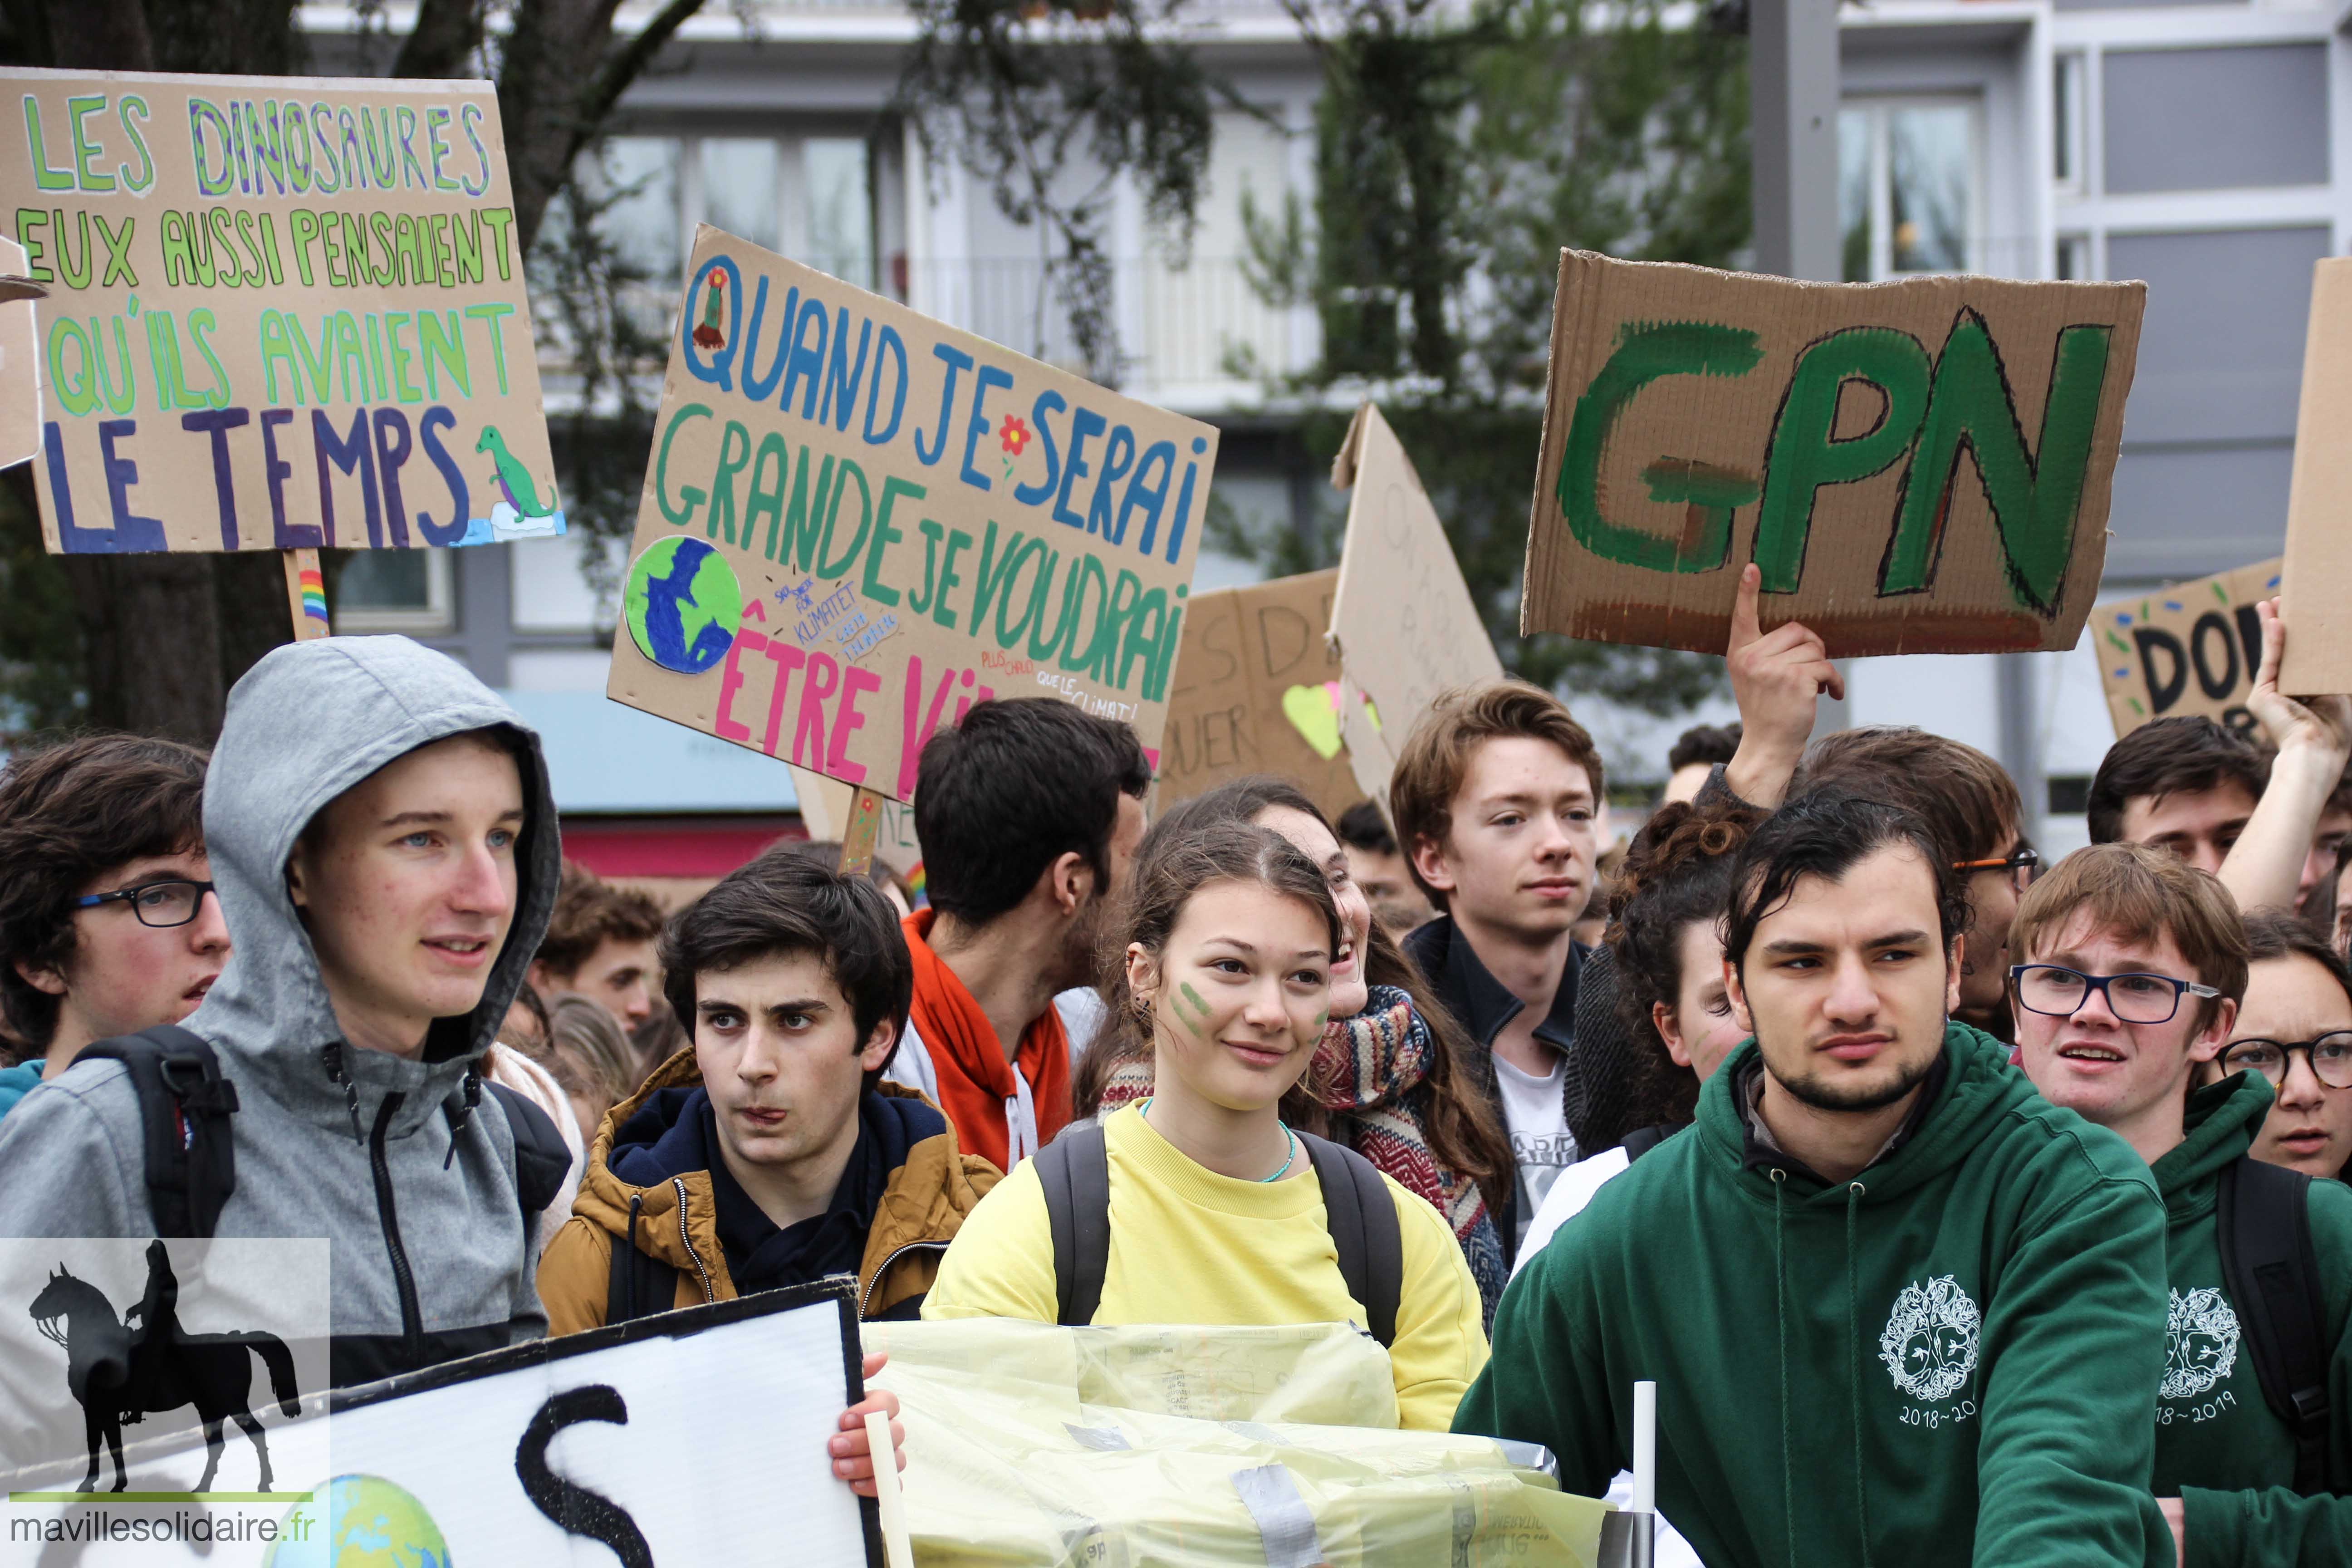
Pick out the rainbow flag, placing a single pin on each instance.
(916, 897)
(314, 596)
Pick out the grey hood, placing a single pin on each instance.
(308, 723)
(413, 1170)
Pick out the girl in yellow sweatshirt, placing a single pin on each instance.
(1216, 1214)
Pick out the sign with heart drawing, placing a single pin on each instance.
(1257, 691)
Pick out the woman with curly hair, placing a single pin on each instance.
(1384, 1080)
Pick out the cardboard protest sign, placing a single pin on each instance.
(20, 380)
(696, 1437)
(283, 313)
(1257, 691)
(2318, 571)
(858, 521)
(1405, 626)
(2191, 648)
(1918, 467)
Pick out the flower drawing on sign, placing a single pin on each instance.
(1015, 437)
(714, 301)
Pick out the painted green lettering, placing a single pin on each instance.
(2035, 497)
(680, 515)
(1806, 452)
(1644, 352)
(44, 176)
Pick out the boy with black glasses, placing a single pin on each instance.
(107, 924)
(2134, 968)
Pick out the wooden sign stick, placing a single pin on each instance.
(858, 837)
(305, 593)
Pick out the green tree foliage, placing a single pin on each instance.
(1454, 158)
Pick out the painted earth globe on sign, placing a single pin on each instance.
(357, 1522)
(683, 605)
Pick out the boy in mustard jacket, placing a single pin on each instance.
(771, 1153)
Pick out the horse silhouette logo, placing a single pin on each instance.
(120, 1376)
(1929, 1345)
(2200, 1344)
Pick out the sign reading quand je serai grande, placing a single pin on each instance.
(858, 521)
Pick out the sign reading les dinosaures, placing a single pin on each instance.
(1919, 466)
(2189, 650)
(281, 314)
(1257, 691)
(859, 522)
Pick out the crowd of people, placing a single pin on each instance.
(1961, 1208)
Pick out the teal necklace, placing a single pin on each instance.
(1289, 1158)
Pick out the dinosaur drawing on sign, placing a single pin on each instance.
(514, 481)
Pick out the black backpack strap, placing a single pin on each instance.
(1363, 1220)
(184, 1105)
(2274, 1278)
(541, 1157)
(640, 1284)
(1074, 1170)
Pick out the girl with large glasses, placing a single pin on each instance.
(2296, 1029)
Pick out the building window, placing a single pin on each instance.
(394, 590)
(2074, 264)
(2069, 124)
(1909, 187)
(808, 197)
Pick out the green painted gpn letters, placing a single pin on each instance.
(1929, 415)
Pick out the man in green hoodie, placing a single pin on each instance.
(1893, 1300)
(2132, 967)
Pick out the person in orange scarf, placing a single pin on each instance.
(1029, 811)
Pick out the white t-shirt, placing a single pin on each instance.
(1563, 1203)
(1541, 1146)
(1566, 1199)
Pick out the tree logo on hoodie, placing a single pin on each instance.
(2200, 1344)
(1930, 1342)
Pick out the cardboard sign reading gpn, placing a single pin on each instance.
(1407, 628)
(859, 522)
(283, 312)
(2191, 648)
(1921, 466)
(1257, 691)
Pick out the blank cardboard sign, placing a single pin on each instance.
(20, 365)
(1406, 626)
(858, 521)
(2318, 572)
(1918, 467)
(1257, 691)
(2191, 648)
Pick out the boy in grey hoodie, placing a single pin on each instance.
(383, 843)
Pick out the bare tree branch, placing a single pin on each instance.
(446, 35)
(597, 100)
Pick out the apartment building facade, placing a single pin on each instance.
(2202, 147)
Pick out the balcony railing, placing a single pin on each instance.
(1196, 337)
